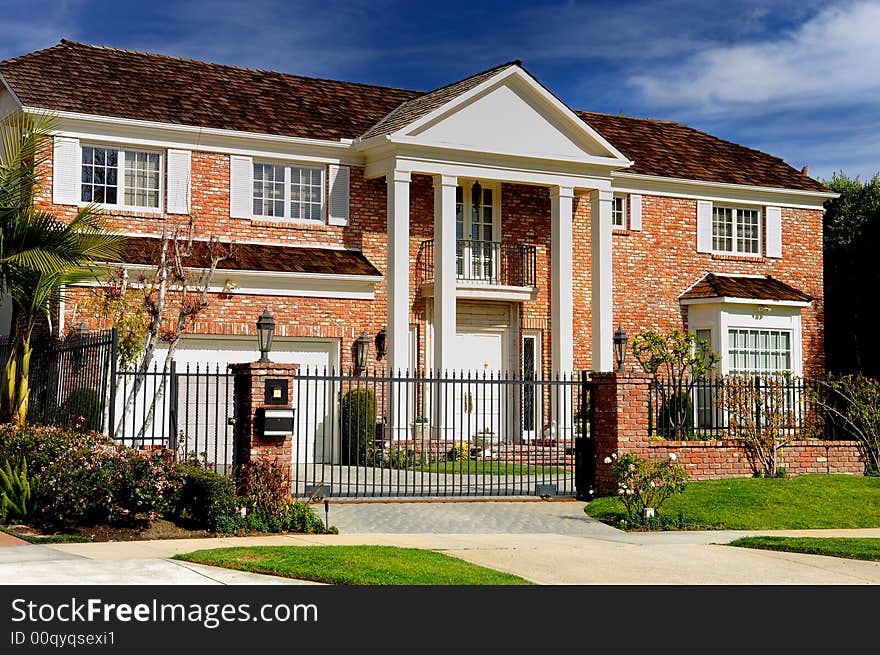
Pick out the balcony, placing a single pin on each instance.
(485, 269)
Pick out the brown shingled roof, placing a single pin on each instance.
(105, 81)
(259, 257)
(669, 149)
(735, 286)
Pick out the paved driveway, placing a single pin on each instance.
(547, 542)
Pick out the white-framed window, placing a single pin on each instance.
(618, 212)
(121, 177)
(736, 230)
(761, 351)
(288, 192)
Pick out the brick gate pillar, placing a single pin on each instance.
(250, 398)
(620, 421)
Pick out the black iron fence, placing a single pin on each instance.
(425, 435)
(68, 378)
(485, 262)
(185, 408)
(725, 407)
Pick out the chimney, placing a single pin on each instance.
(805, 170)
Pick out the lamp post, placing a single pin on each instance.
(265, 331)
(620, 340)
(361, 350)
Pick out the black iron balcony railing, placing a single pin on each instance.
(484, 262)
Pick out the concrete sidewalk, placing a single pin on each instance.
(551, 543)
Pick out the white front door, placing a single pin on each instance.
(477, 394)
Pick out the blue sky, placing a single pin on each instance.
(798, 79)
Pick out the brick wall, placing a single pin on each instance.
(620, 425)
(651, 267)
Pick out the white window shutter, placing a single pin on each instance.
(241, 186)
(704, 226)
(65, 171)
(338, 192)
(179, 171)
(773, 231)
(635, 212)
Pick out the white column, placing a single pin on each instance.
(602, 291)
(561, 262)
(444, 269)
(397, 274)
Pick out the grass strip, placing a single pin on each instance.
(354, 565)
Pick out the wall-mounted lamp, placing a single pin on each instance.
(763, 309)
(381, 344)
(265, 332)
(620, 340)
(230, 286)
(361, 352)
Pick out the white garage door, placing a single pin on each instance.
(205, 396)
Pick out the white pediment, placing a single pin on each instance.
(513, 115)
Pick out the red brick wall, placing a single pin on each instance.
(620, 425)
(651, 267)
(654, 266)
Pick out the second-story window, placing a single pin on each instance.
(125, 178)
(618, 212)
(288, 192)
(736, 230)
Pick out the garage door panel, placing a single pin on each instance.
(197, 420)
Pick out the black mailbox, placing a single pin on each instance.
(276, 391)
(277, 422)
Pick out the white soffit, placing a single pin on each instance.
(512, 114)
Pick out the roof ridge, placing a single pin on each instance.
(69, 42)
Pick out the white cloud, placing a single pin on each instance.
(832, 58)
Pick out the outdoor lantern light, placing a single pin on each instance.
(265, 330)
(620, 340)
(380, 344)
(361, 349)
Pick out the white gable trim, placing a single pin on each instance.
(615, 159)
(730, 300)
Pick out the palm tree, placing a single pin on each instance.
(39, 253)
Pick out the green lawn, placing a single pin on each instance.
(484, 467)
(354, 565)
(802, 502)
(849, 547)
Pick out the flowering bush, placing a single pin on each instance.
(87, 478)
(107, 483)
(645, 484)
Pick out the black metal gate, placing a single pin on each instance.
(426, 435)
(585, 443)
(186, 408)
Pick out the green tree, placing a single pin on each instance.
(39, 253)
(851, 232)
(676, 362)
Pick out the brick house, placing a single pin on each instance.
(483, 225)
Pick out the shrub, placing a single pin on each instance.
(460, 451)
(265, 485)
(207, 500)
(357, 425)
(83, 408)
(106, 483)
(642, 484)
(17, 492)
